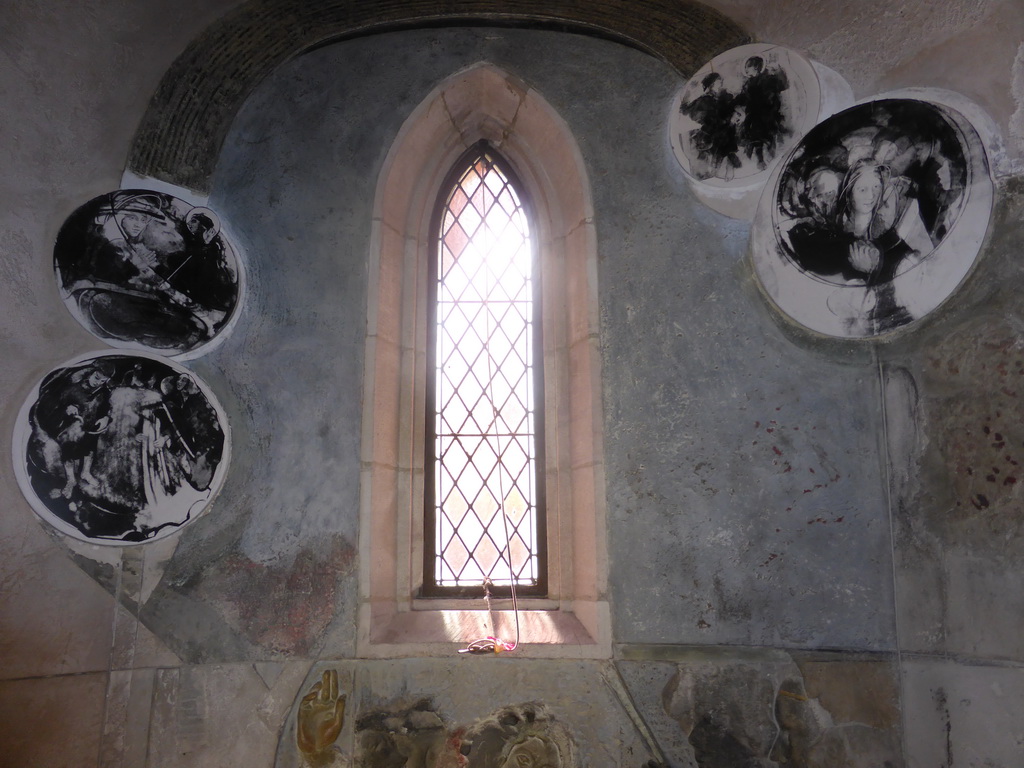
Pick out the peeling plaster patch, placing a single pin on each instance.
(974, 398)
(285, 607)
(983, 440)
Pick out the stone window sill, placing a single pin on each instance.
(431, 629)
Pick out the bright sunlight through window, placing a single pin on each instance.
(484, 510)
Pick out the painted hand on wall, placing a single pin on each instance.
(320, 718)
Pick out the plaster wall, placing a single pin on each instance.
(879, 46)
(790, 519)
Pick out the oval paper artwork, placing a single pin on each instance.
(741, 111)
(145, 270)
(875, 218)
(118, 449)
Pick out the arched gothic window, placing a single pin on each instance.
(568, 617)
(483, 492)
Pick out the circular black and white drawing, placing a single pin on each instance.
(741, 111)
(120, 448)
(875, 217)
(145, 270)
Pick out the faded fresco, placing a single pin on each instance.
(520, 736)
(741, 111)
(738, 714)
(145, 269)
(863, 213)
(413, 734)
(118, 448)
(712, 711)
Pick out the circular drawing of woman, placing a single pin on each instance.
(862, 212)
(144, 269)
(116, 448)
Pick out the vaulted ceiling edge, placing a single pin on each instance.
(184, 127)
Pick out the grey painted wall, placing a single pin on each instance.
(759, 554)
(749, 508)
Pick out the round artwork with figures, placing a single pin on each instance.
(145, 270)
(741, 111)
(875, 218)
(118, 448)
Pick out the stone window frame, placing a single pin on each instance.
(482, 103)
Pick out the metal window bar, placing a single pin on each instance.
(485, 379)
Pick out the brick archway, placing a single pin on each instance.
(184, 127)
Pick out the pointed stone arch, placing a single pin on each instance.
(482, 103)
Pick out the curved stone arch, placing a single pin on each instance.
(181, 133)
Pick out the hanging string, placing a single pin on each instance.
(492, 643)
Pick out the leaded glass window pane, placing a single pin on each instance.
(484, 502)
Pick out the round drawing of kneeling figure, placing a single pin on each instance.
(145, 270)
(875, 217)
(119, 449)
